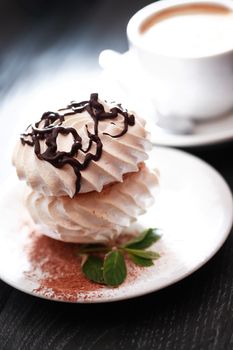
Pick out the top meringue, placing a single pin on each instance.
(81, 148)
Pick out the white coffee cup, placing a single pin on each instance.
(198, 87)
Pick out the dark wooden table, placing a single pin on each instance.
(194, 314)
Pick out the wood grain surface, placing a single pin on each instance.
(194, 314)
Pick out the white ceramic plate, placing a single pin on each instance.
(193, 208)
(127, 80)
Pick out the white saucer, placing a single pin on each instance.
(194, 209)
(213, 132)
(126, 76)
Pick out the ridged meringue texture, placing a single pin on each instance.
(120, 156)
(94, 217)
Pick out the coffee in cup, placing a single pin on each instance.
(185, 48)
(190, 30)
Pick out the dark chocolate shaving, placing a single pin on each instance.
(50, 126)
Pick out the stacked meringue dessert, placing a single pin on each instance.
(84, 168)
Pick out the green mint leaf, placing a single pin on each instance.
(136, 239)
(141, 261)
(93, 269)
(114, 271)
(146, 254)
(144, 240)
(93, 248)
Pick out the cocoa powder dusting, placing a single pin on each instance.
(60, 269)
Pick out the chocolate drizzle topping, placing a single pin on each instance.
(52, 127)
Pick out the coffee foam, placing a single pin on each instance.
(189, 30)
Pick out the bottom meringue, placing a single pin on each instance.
(94, 217)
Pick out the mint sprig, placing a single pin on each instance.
(93, 269)
(141, 261)
(106, 264)
(143, 254)
(144, 240)
(114, 269)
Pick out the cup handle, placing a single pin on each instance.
(125, 70)
(116, 65)
(108, 59)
